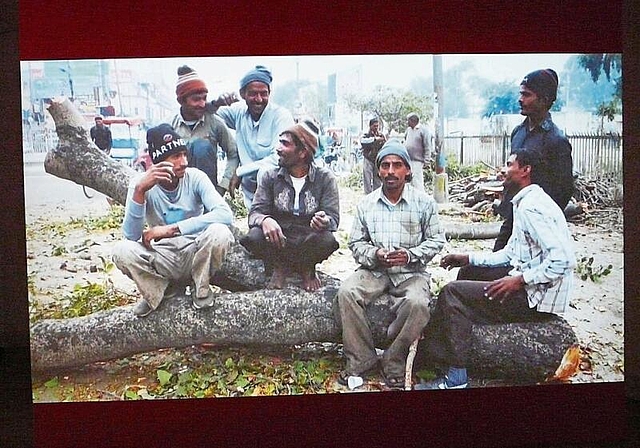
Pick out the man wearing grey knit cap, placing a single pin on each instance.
(295, 211)
(258, 124)
(395, 233)
(538, 91)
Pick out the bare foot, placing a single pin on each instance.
(278, 278)
(310, 280)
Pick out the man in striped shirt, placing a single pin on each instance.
(530, 279)
(395, 233)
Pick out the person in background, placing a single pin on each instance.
(538, 91)
(371, 142)
(295, 210)
(203, 131)
(395, 233)
(417, 140)
(187, 234)
(258, 123)
(101, 135)
(530, 279)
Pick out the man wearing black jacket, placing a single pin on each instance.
(537, 132)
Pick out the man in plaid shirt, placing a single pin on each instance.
(395, 234)
(530, 279)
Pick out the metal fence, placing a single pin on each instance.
(594, 155)
(38, 139)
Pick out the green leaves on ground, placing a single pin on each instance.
(586, 270)
(86, 298)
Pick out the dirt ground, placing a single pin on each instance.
(596, 309)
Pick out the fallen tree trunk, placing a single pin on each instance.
(264, 318)
(250, 316)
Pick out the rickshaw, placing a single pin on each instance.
(128, 135)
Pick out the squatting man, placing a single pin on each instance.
(188, 231)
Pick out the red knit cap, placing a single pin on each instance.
(189, 82)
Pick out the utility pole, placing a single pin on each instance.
(440, 180)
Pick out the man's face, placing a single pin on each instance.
(513, 173)
(99, 122)
(193, 106)
(374, 128)
(256, 95)
(412, 122)
(531, 104)
(288, 154)
(179, 162)
(393, 172)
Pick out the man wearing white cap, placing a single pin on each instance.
(295, 210)
(395, 233)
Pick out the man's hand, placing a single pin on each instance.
(159, 172)
(225, 99)
(157, 233)
(234, 183)
(221, 190)
(454, 261)
(504, 287)
(320, 221)
(273, 232)
(389, 258)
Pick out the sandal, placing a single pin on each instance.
(343, 376)
(393, 383)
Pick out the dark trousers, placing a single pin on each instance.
(304, 248)
(460, 305)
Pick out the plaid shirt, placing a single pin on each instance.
(539, 249)
(412, 224)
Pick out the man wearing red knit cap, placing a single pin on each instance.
(203, 131)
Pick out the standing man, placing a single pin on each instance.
(187, 236)
(295, 210)
(528, 280)
(258, 124)
(101, 135)
(371, 142)
(203, 131)
(538, 91)
(417, 140)
(395, 234)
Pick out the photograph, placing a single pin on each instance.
(97, 353)
(117, 311)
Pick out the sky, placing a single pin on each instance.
(224, 73)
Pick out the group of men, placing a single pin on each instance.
(294, 210)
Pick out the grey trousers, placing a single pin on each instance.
(410, 305)
(370, 176)
(179, 260)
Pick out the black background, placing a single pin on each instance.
(577, 415)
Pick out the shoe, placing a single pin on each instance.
(142, 308)
(454, 379)
(393, 383)
(343, 376)
(174, 291)
(204, 302)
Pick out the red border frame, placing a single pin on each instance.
(479, 417)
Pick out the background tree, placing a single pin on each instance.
(391, 105)
(609, 64)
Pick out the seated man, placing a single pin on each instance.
(527, 280)
(395, 234)
(295, 210)
(188, 234)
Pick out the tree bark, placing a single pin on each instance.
(250, 316)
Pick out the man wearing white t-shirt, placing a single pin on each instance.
(295, 210)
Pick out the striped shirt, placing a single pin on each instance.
(411, 224)
(539, 249)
